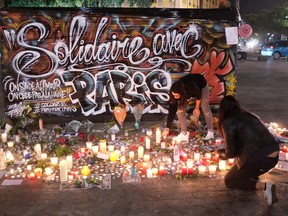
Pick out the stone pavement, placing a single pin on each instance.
(165, 196)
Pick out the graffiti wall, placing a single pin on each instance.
(69, 62)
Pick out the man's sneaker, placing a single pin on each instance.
(210, 135)
(270, 193)
(182, 137)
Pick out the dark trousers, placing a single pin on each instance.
(247, 176)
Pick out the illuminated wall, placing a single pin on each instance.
(68, 62)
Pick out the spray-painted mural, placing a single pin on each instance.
(84, 62)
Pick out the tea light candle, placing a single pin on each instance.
(147, 143)
(201, 169)
(54, 161)
(222, 165)
(69, 160)
(140, 151)
(4, 137)
(63, 170)
(110, 148)
(212, 169)
(146, 157)
(131, 155)
(158, 136)
(89, 145)
(196, 156)
(102, 144)
(10, 144)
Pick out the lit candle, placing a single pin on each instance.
(29, 167)
(95, 148)
(9, 156)
(158, 136)
(161, 170)
(43, 156)
(54, 161)
(48, 171)
(37, 149)
(149, 132)
(10, 144)
(131, 155)
(17, 138)
(196, 156)
(85, 171)
(147, 143)
(149, 173)
(3, 164)
(146, 158)
(212, 169)
(163, 145)
(89, 145)
(286, 156)
(184, 157)
(140, 151)
(110, 148)
(208, 155)
(231, 160)
(102, 144)
(190, 163)
(38, 172)
(63, 170)
(184, 170)
(113, 156)
(222, 165)
(122, 148)
(201, 169)
(154, 171)
(4, 137)
(122, 159)
(218, 141)
(41, 124)
(113, 137)
(69, 159)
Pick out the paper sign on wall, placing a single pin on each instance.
(231, 34)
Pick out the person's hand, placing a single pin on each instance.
(165, 132)
(196, 112)
(222, 154)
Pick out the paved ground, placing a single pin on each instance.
(261, 88)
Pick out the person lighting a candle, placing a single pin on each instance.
(254, 147)
(181, 92)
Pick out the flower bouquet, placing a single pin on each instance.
(120, 114)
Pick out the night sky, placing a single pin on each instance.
(255, 6)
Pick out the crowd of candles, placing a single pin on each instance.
(146, 154)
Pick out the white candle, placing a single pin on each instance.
(63, 170)
(158, 136)
(208, 155)
(9, 156)
(122, 148)
(201, 169)
(29, 167)
(190, 163)
(48, 171)
(10, 144)
(222, 165)
(163, 145)
(113, 137)
(146, 158)
(37, 149)
(212, 169)
(131, 155)
(147, 143)
(149, 173)
(149, 132)
(54, 161)
(95, 148)
(41, 124)
(89, 145)
(43, 156)
(123, 159)
(69, 160)
(17, 138)
(4, 137)
(103, 146)
(286, 156)
(154, 171)
(196, 156)
(231, 160)
(140, 151)
(110, 148)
